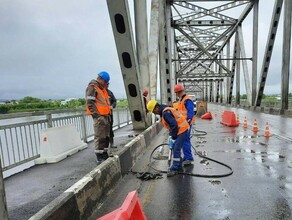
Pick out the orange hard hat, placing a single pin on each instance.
(178, 88)
(145, 92)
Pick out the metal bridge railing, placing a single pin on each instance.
(265, 104)
(20, 133)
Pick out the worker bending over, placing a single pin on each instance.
(178, 131)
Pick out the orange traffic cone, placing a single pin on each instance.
(245, 123)
(267, 131)
(255, 126)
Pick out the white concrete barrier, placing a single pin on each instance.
(58, 143)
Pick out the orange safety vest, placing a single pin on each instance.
(102, 102)
(180, 119)
(183, 110)
(175, 105)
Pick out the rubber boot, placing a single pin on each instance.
(171, 172)
(99, 158)
(105, 155)
(112, 144)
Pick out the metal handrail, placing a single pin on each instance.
(266, 104)
(20, 141)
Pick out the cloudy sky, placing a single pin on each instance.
(51, 49)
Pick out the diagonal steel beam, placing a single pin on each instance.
(202, 12)
(217, 9)
(202, 48)
(235, 55)
(269, 50)
(244, 65)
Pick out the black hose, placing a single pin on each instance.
(200, 155)
(197, 135)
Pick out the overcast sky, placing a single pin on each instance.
(51, 49)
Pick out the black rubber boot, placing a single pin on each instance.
(105, 155)
(99, 158)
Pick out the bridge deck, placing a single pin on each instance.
(260, 187)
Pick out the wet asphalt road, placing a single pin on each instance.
(29, 191)
(259, 188)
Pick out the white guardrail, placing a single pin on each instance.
(20, 133)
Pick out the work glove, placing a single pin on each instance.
(189, 121)
(171, 142)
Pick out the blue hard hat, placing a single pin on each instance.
(104, 75)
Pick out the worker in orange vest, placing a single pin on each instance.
(186, 107)
(175, 104)
(98, 105)
(178, 132)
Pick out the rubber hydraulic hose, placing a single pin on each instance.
(194, 174)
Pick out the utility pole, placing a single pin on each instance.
(3, 206)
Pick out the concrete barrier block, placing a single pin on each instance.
(148, 134)
(79, 201)
(151, 132)
(266, 110)
(126, 159)
(288, 112)
(275, 111)
(91, 189)
(58, 143)
(137, 147)
(259, 109)
(63, 207)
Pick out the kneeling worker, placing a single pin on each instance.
(178, 131)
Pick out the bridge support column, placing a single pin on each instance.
(142, 42)
(122, 29)
(238, 70)
(153, 46)
(286, 55)
(255, 51)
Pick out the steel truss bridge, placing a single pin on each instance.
(201, 44)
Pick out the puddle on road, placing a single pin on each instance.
(240, 139)
(260, 156)
(201, 142)
(215, 182)
(203, 153)
(204, 162)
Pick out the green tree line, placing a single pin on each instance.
(29, 104)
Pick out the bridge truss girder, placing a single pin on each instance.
(201, 35)
(191, 40)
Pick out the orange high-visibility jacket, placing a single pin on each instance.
(183, 110)
(102, 102)
(175, 105)
(181, 121)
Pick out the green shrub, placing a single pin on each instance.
(4, 109)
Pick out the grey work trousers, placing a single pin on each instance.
(101, 133)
